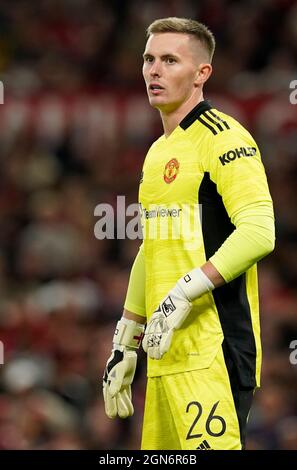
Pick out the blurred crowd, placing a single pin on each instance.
(74, 129)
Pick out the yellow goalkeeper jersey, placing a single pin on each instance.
(193, 184)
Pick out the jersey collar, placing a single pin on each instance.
(195, 113)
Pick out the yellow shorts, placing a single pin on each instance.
(202, 409)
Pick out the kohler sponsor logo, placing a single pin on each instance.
(237, 153)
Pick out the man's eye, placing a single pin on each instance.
(148, 59)
(170, 60)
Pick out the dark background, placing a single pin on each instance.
(74, 129)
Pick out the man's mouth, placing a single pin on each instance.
(155, 88)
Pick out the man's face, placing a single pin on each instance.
(170, 68)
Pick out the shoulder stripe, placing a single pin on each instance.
(207, 125)
(194, 114)
(219, 119)
(219, 126)
(204, 114)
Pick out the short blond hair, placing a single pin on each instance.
(185, 26)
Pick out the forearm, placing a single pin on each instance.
(253, 238)
(135, 299)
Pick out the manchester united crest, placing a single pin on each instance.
(171, 170)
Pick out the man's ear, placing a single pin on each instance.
(203, 73)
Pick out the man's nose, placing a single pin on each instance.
(155, 70)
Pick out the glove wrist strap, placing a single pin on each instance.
(195, 283)
(128, 333)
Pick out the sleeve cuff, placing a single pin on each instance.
(135, 309)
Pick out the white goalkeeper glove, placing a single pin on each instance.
(172, 312)
(120, 369)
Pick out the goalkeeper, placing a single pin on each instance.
(193, 284)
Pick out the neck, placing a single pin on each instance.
(172, 119)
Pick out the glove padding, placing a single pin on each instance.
(117, 380)
(169, 316)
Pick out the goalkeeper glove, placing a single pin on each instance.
(172, 312)
(120, 369)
